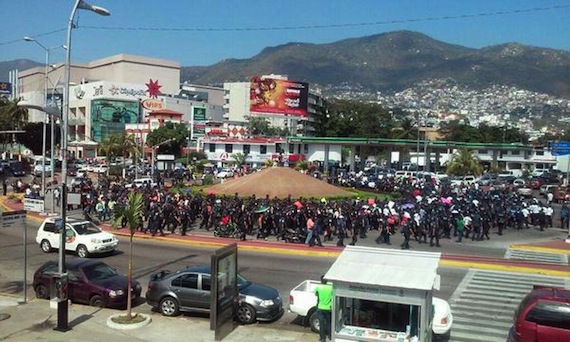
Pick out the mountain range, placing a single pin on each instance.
(390, 62)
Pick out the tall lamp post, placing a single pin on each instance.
(62, 307)
(46, 84)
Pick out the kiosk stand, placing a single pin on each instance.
(383, 295)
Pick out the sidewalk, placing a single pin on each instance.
(35, 321)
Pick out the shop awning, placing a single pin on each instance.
(385, 267)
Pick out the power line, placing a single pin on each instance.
(309, 27)
(327, 26)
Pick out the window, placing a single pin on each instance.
(229, 148)
(515, 153)
(188, 281)
(50, 227)
(291, 148)
(246, 149)
(305, 148)
(539, 153)
(363, 313)
(206, 283)
(482, 151)
(263, 149)
(551, 314)
(212, 147)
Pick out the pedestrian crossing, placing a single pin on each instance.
(483, 304)
(549, 258)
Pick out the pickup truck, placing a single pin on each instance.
(303, 302)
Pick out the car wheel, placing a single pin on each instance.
(169, 307)
(42, 292)
(314, 322)
(246, 314)
(45, 246)
(82, 251)
(97, 301)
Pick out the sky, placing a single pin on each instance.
(204, 32)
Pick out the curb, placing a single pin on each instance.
(129, 326)
(532, 248)
(503, 268)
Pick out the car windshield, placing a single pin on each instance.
(242, 281)
(86, 228)
(99, 272)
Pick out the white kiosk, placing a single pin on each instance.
(383, 294)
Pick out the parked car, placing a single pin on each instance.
(303, 302)
(525, 191)
(225, 173)
(102, 168)
(546, 188)
(142, 182)
(519, 183)
(89, 282)
(188, 290)
(543, 315)
(82, 237)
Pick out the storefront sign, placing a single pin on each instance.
(152, 104)
(377, 290)
(114, 90)
(199, 113)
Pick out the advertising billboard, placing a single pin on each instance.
(5, 88)
(224, 291)
(198, 121)
(109, 117)
(278, 97)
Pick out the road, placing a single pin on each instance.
(282, 272)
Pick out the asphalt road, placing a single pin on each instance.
(282, 272)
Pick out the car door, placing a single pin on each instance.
(186, 288)
(205, 291)
(78, 290)
(70, 239)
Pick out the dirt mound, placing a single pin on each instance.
(278, 182)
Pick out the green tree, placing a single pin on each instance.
(12, 117)
(239, 159)
(406, 130)
(257, 125)
(110, 146)
(463, 162)
(174, 131)
(132, 213)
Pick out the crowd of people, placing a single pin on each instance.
(426, 212)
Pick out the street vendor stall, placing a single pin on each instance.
(383, 295)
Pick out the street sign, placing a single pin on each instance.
(36, 205)
(560, 148)
(13, 218)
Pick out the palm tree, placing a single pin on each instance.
(239, 159)
(12, 117)
(128, 147)
(406, 130)
(464, 163)
(132, 213)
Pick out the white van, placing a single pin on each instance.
(39, 166)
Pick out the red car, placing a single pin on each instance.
(90, 282)
(543, 315)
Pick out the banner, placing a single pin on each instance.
(5, 88)
(282, 97)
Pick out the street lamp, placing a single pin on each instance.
(46, 81)
(62, 307)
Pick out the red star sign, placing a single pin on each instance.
(153, 88)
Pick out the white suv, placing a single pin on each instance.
(82, 237)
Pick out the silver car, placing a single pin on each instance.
(188, 290)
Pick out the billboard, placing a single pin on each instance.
(109, 117)
(280, 97)
(5, 88)
(198, 121)
(224, 291)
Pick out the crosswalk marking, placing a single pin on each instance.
(550, 258)
(484, 303)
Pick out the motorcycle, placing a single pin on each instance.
(294, 236)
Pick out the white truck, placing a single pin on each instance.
(303, 302)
